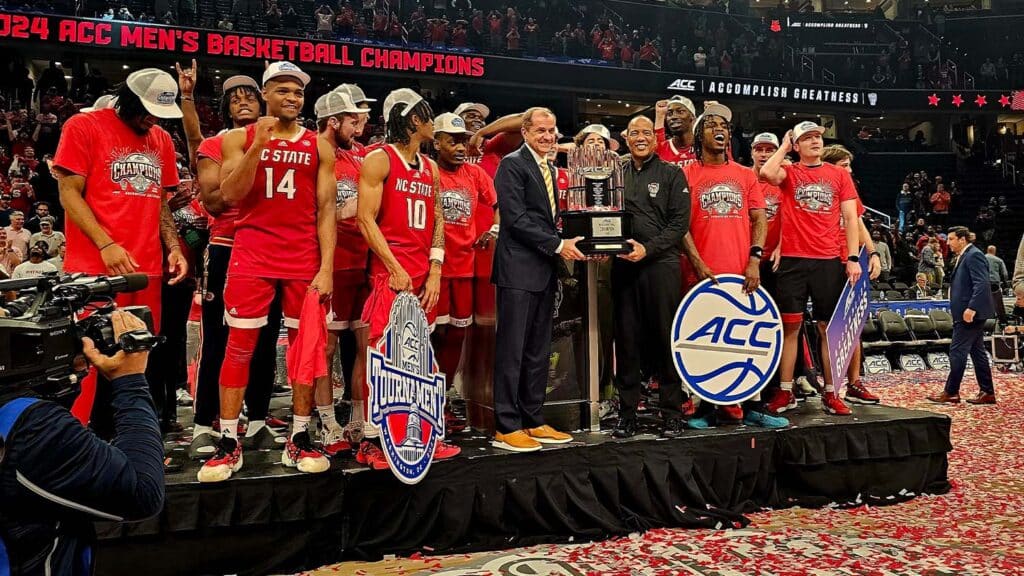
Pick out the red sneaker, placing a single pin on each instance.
(333, 441)
(276, 422)
(730, 414)
(443, 450)
(370, 455)
(225, 461)
(688, 409)
(780, 401)
(857, 393)
(300, 453)
(833, 405)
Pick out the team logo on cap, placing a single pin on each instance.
(136, 173)
(722, 200)
(814, 197)
(287, 66)
(406, 391)
(726, 344)
(457, 122)
(165, 98)
(457, 207)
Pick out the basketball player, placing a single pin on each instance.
(673, 123)
(241, 105)
(815, 195)
(399, 214)
(359, 98)
(475, 116)
(115, 167)
(465, 189)
(282, 179)
(338, 119)
(727, 233)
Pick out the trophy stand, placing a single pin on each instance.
(595, 204)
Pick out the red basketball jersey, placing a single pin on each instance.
(351, 250)
(222, 227)
(406, 216)
(275, 234)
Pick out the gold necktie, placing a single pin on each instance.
(545, 170)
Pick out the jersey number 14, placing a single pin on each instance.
(285, 186)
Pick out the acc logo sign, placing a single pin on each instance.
(406, 391)
(683, 84)
(726, 345)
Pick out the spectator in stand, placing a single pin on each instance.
(988, 73)
(494, 30)
(921, 289)
(345, 20)
(58, 260)
(928, 261)
(10, 256)
(997, 278)
(700, 61)
(226, 23)
(42, 210)
(16, 232)
(884, 255)
(36, 265)
(940, 201)
(324, 22)
(512, 41)
(290, 21)
(904, 205)
(380, 25)
(650, 59)
(52, 240)
(725, 63)
(397, 33)
(5, 209)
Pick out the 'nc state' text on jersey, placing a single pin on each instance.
(287, 156)
(419, 188)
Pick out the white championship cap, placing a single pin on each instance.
(103, 102)
(285, 69)
(238, 81)
(602, 131)
(157, 90)
(480, 108)
(355, 93)
(686, 102)
(334, 103)
(806, 127)
(765, 138)
(450, 124)
(713, 108)
(401, 96)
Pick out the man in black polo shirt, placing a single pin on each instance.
(646, 282)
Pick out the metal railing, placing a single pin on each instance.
(885, 217)
(828, 77)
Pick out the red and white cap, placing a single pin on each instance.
(157, 91)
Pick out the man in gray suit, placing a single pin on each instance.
(525, 257)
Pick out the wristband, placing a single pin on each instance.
(756, 252)
(189, 98)
(437, 255)
(107, 245)
(875, 254)
(854, 259)
(494, 230)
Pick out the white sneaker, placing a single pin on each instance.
(183, 398)
(804, 385)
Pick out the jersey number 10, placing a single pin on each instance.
(286, 186)
(417, 210)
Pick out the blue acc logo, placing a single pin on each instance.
(406, 391)
(726, 344)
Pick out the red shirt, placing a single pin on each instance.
(406, 216)
(125, 177)
(773, 212)
(463, 192)
(496, 148)
(351, 250)
(275, 234)
(811, 198)
(222, 228)
(668, 152)
(721, 198)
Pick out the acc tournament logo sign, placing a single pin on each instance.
(726, 345)
(406, 391)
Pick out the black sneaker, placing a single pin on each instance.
(625, 427)
(264, 439)
(203, 446)
(674, 428)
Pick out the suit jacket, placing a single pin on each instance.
(524, 257)
(969, 286)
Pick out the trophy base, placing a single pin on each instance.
(603, 232)
(604, 247)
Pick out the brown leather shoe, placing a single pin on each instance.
(944, 398)
(547, 435)
(982, 398)
(518, 441)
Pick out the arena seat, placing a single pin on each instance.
(943, 323)
(922, 326)
(894, 295)
(896, 330)
(900, 286)
(871, 337)
(875, 295)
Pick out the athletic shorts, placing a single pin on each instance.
(800, 278)
(769, 279)
(455, 306)
(348, 299)
(377, 311)
(247, 300)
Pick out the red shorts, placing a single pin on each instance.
(455, 306)
(247, 300)
(348, 299)
(377, 311)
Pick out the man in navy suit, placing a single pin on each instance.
(970, 302)
(525, 257)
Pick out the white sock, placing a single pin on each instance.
(229, 428)
(786, 386)
(254, 427)
(200, 429)
(356, 415)
(327, 417)
(300, 424)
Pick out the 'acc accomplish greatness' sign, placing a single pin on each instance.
(133, 36)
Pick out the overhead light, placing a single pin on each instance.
(881, 117)
(217, 77)
(588, 99)
(620, 101)
(66, 77)
(56, 63)
(217, 71)
(627, 104)
(598, 105)
(124, 67)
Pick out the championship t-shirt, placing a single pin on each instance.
(125, 177)
(773, 212)
(275, 234)
(811, 196)
(463, 192)
(496, 148)
(721, 198)
(222, 227)
(352, 249)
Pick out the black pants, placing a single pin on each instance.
(645, 299)
(969, 340)
(167, 370)
(214, 342)
(521, 358)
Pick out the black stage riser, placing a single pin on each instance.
(583, 492)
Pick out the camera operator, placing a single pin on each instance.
(56, 477)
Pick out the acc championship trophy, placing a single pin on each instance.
(595, 208)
